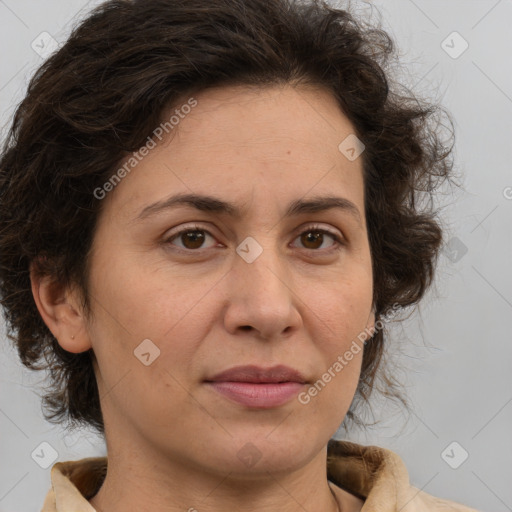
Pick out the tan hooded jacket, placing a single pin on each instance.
(375, 475)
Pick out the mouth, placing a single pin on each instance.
(257, 387)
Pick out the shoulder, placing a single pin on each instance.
(73, 483)
(379, 478)
(423, 502)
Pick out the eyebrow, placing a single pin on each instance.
(211, 204)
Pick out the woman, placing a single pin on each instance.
(208, 209)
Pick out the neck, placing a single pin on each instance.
(141, 480)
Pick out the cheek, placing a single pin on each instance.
(140, 300)
(342, 311)
(133, 304)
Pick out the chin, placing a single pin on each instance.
(264, 451)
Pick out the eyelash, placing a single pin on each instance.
(310, 229)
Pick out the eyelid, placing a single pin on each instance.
(318, 227)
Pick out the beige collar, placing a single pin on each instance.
(375, 475)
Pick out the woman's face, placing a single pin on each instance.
(183, 291)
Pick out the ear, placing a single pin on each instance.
(60, 310)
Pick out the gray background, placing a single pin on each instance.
(453, 354)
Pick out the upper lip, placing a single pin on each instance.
(257, 374)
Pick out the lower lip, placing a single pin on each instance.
(264, 395)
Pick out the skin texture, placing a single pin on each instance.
(172, 441)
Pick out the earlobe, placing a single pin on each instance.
(61, 313)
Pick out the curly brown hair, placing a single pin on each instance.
(100, 96)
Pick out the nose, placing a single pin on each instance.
(261, 297)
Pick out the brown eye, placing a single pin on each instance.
(312, 239)
(190, 239)
(315, 239)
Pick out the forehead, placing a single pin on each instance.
(270, 116)
(238, 140)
